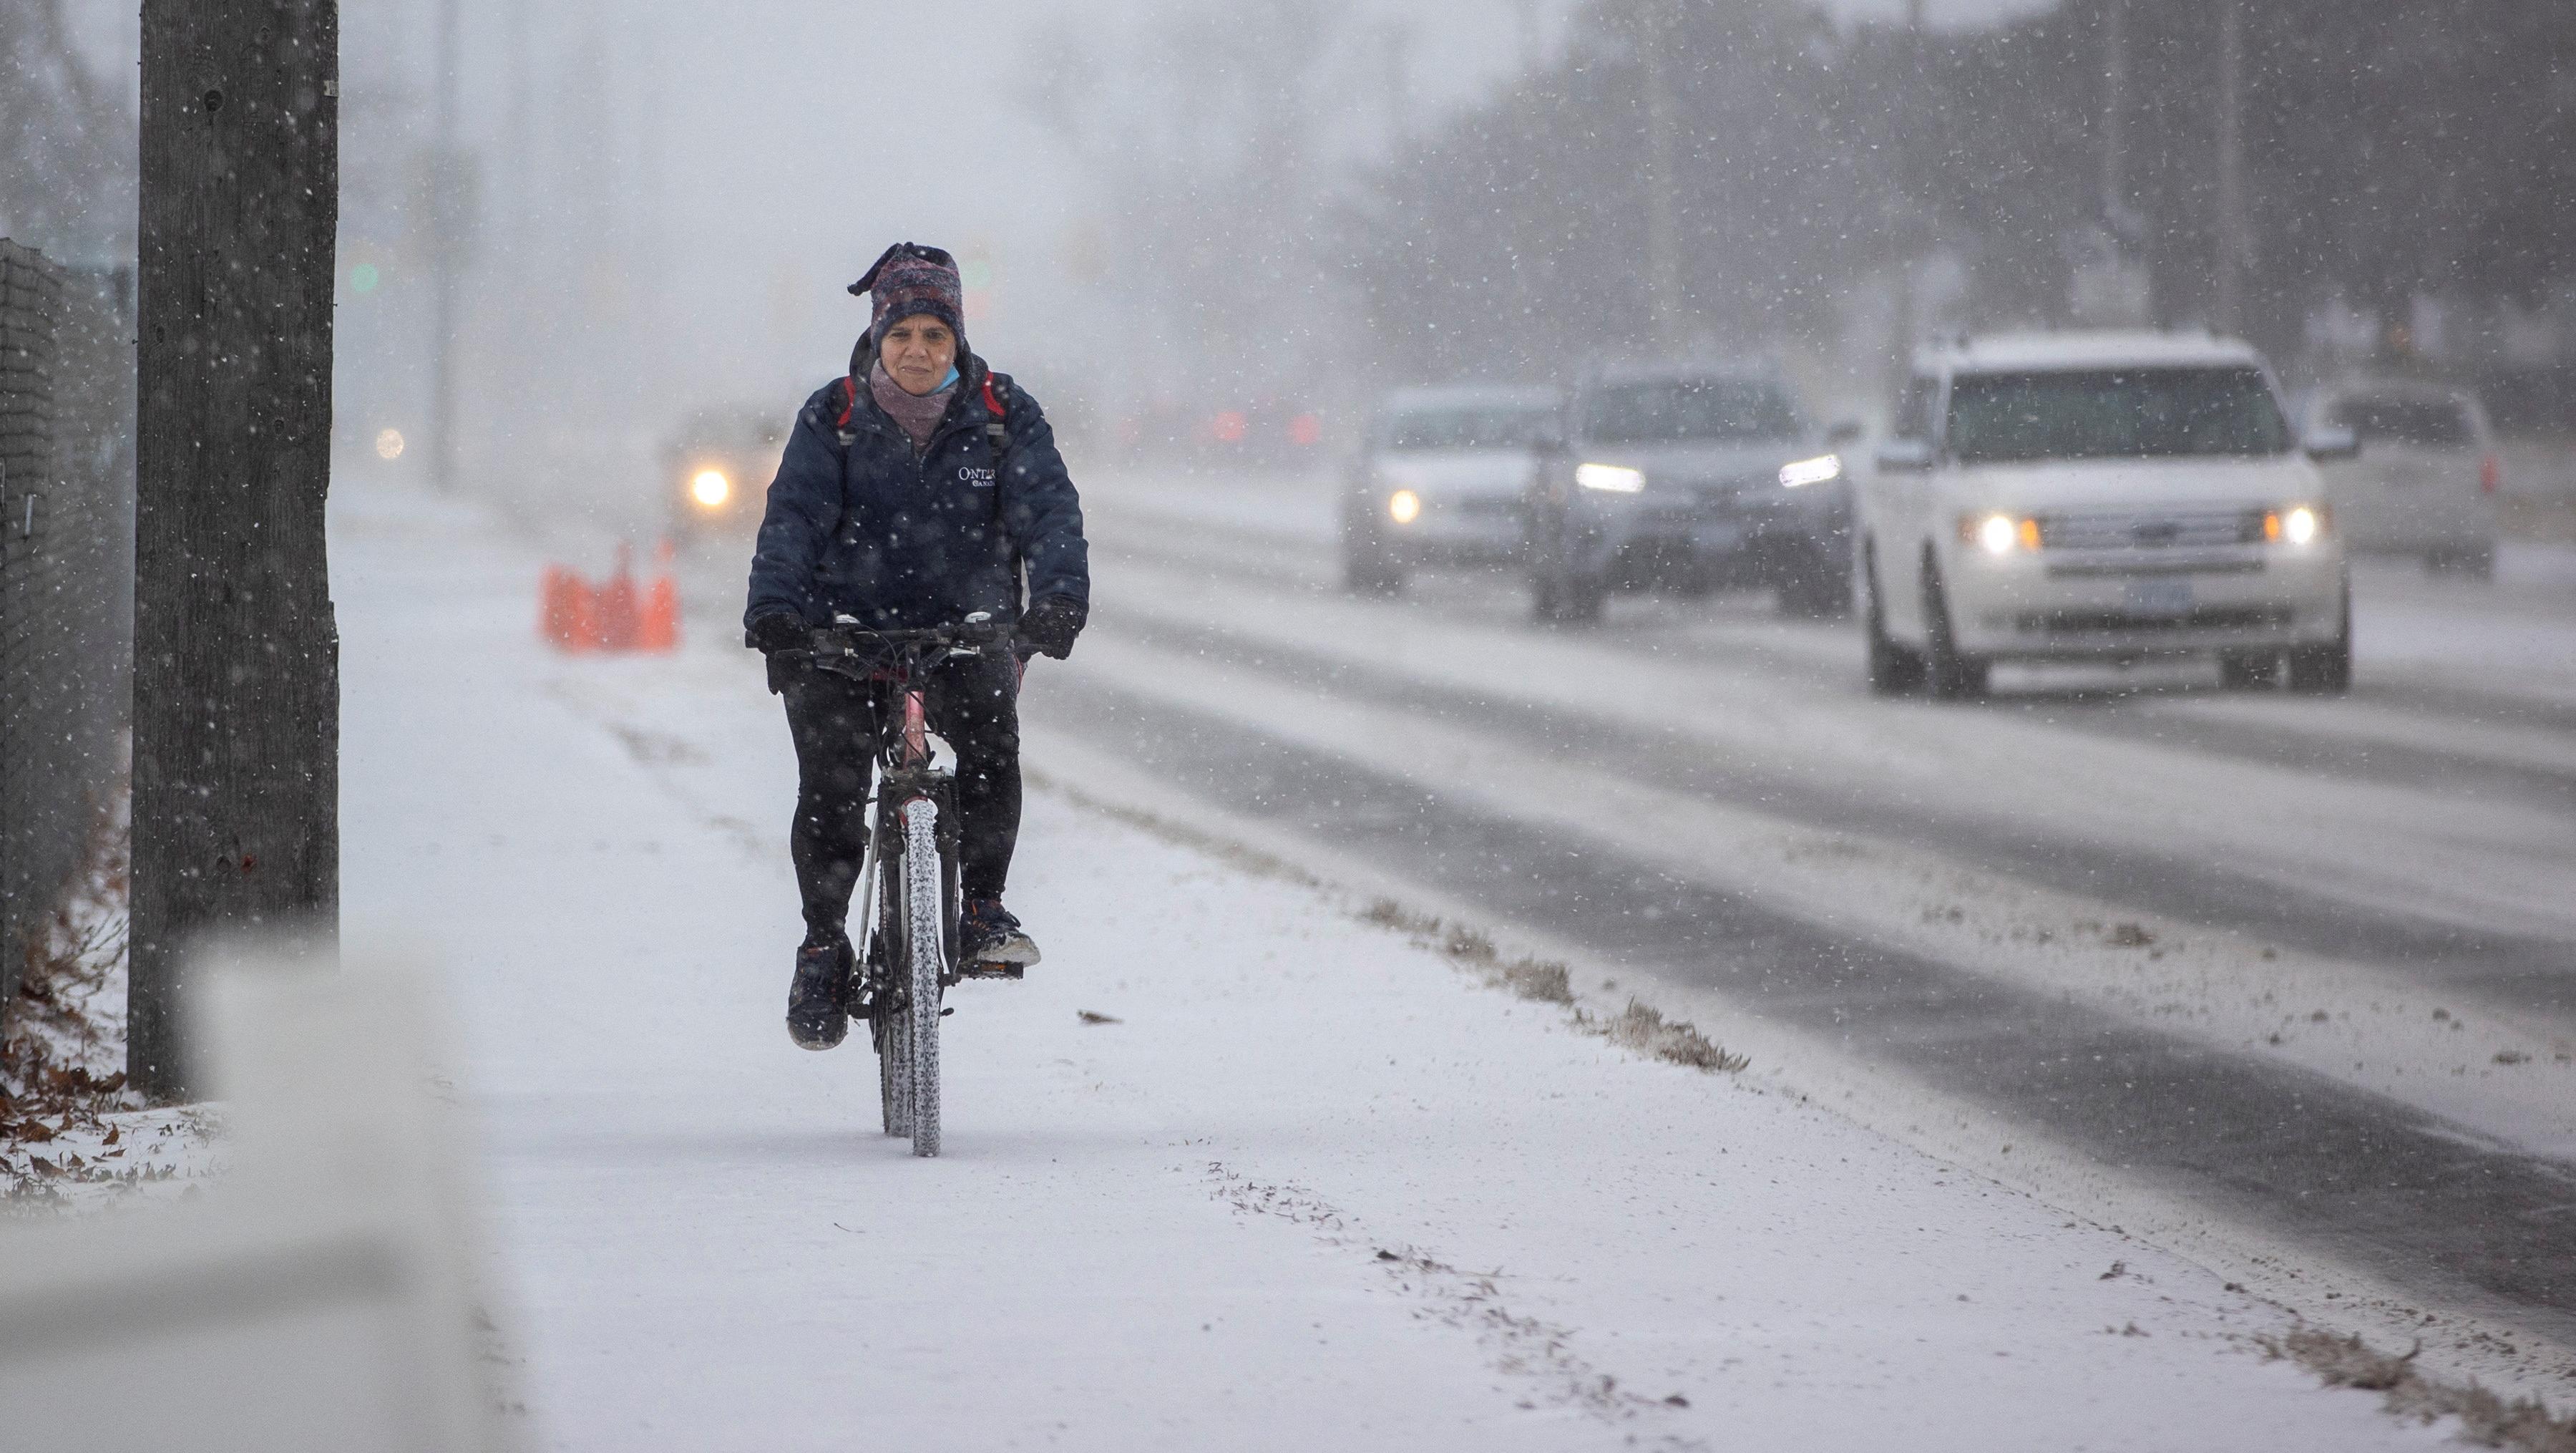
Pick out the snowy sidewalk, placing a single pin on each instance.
(1313, 1188)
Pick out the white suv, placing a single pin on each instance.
(2099, 497)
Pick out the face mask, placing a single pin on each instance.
(950, 381)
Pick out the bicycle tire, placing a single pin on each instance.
(888, 1027)
(926, 960)
(894, 1069)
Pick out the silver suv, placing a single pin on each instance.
(1689, 479)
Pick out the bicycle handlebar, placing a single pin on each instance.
(845, 642)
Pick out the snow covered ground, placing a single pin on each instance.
(1311, 1186)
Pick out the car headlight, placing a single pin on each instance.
(710, 488)
(2296, 524)
(1404, 507)
(1999, 534)
(1804, 472)
(1615, 478)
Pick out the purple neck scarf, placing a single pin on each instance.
(917, 414)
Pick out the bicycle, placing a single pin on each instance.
(908, 880)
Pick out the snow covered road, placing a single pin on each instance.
(2288, 981)
(1310, 1185)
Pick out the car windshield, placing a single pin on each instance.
(1674, 411)
(1489, 426)
(2143, 413)
(2433, 423)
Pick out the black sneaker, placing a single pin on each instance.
(990, 940)
(815, 1016)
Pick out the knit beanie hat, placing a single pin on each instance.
(908, 280)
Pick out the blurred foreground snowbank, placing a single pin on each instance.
(318, 1295)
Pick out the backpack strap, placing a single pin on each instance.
(849, 402)
(997, 393)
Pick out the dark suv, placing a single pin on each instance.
(1689, 479)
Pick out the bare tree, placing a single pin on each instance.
(1208, 134)
(68, 134)
(236, 687)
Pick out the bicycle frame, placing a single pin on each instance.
(909, 759)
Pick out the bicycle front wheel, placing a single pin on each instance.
(890, 1028)
(924, 945)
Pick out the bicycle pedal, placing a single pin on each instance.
(989, 971)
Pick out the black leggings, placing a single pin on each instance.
(974, 706)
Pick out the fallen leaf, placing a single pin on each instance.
(1091, 1017)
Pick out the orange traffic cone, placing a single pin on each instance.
(581, 615)
(559, 609)
(617, 607)
(659, 629)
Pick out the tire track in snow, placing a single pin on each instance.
(1540, 1353)
(2527, 972)
(2411, 1198)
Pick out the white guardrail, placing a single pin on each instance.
(319, 1295)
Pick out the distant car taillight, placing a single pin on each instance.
(2490, 474)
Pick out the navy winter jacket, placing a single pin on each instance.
(859, 524)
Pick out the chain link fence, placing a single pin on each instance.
(66, 577)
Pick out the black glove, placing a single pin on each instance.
(1050, 623)
(777, 630)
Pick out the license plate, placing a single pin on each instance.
(2159, 597)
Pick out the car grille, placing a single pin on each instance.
(2212, 618)
(2131, 564)
(2152, 530)
(1727, 492)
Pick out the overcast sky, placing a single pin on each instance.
(789, 140)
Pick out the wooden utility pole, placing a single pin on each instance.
(2231, 167)
(2115, 112)
(447, 204)
(1663, 229)
(1905, 332)
(236, 657)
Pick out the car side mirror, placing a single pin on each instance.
(2327, 442)
(1842, 432)
(1905, 456)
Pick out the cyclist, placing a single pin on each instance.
(900, 504)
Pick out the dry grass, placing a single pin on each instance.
(1643, 1028)
(1640, 1027)
(2485, 1419)
(61, 1060)
(1543, 980)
